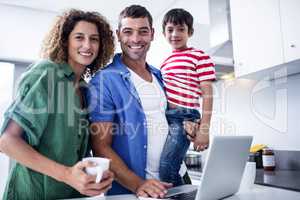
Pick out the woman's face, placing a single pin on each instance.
(83, 45)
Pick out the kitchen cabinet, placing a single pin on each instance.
(265, 33)
(290, 21)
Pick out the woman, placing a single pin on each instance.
(46, 129)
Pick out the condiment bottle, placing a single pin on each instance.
(268, 159)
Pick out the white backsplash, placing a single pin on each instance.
(268, 110)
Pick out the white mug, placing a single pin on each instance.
(248, 177)
(102, 164)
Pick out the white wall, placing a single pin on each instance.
(269, 110)
(6, 91)
(22, 32)
(23, 29)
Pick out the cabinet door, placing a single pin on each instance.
(290, 22)
(256, 35)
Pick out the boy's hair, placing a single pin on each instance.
(135, 11)
(179, 16)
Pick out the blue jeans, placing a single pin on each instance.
(176, 144)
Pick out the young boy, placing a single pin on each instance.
(187, 74)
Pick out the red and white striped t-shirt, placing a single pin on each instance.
(182, 73)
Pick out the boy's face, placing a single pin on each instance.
(177, 35)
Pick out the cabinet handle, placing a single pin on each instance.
(292, 45)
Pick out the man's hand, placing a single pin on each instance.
(198, 134)
(84, 183)
(153, 188)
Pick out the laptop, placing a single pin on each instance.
(222, 174)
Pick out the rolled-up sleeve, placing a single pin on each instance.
(29, 110)
(99, 97)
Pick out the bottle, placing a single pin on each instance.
(268, 159)
(249, 174)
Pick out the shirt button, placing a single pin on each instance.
(145, 146)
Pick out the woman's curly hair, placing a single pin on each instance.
(55, 44)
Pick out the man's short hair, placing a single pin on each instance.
(179, 16)
(135, 11)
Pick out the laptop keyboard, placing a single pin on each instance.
(186, 196)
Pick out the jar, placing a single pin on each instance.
(268, 159)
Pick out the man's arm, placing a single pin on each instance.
(12, 144)
(101, 145)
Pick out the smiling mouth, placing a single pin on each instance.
(135, 46)
(86, 53)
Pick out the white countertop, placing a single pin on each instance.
(257, 193)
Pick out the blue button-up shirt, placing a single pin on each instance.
(112, 97)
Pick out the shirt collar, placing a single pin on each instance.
(66, 69)
(181, 50)
(117, 61)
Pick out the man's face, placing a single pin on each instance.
(135, 36)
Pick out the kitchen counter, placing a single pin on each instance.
(286, 179)
(258, 192)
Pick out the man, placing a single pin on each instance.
(127, 106)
